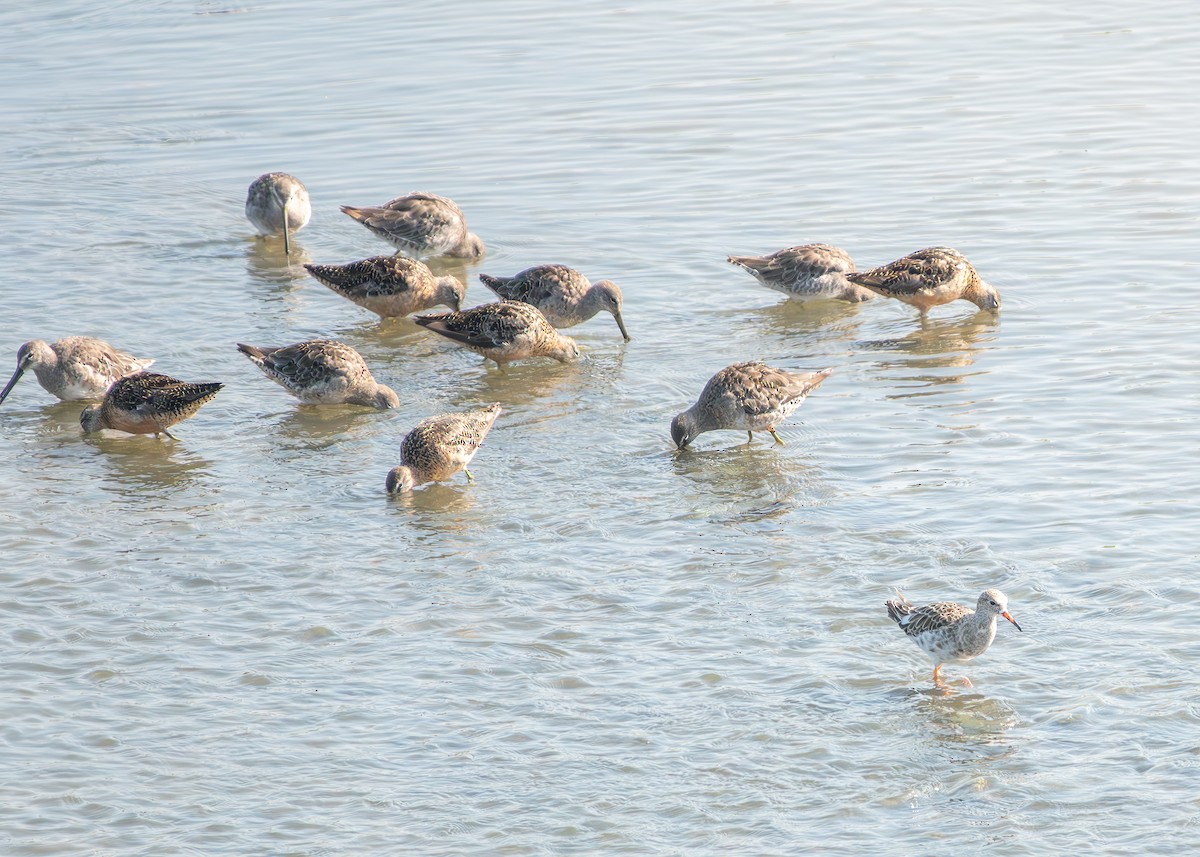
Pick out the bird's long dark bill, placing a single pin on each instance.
(1009, 617)
(12, 382)
(621, 324)
(287, 245)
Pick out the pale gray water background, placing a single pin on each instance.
(236, 644)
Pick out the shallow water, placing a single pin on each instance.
(236, 644)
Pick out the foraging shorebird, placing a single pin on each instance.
(807, 272)
(146, 403)
(748, 396)
(420, 224)
(74, 368)
(951, 632)
(929, 278)
(564, 295)
(504, 331)
(277, 202)
(439, 447)
(391, 286)
(322, 372)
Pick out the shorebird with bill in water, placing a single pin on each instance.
(391, 286)
(439, 447)
(929, 278)
(420, 224)
(146, 403)
(322, 372)
(277, 202)
(807, 272)
(503, 332)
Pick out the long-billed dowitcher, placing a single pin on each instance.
(747, 396)
(322, 372)
(504, 331)
(950, 632)
(277, 202)
(439, 447)
(807, 272)
(929, 278)
(147, 403)
(420, 224)
(391, 286)
(565, 296)
(74, 368)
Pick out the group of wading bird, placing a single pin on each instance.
(525, 323)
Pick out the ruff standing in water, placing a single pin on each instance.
(439, 447)
(420, 224)
(748, 396)
(277, 202)
(505, 331)
(951, 632)
(565, 296)
(808, 272)
(74, 368)
(929, 278)
(322, 372)
(146, 403)
(391, 286)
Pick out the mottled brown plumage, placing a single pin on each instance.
(951, 632)
(806, 272)
(391, 286)
(75, 367)
(147, 403)
(278, 202)
(748, 396)
(929, 278)
(565, 296)
(322, 372)
(504, 331)
(420, 224)
(439, 447)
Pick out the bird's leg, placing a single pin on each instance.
(964, 681)
(937, 679)
(778, 439)
(470, 478)
(168, 434)
(749, 437)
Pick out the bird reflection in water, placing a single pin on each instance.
(936, 344)
(135, 465)
(268, 263)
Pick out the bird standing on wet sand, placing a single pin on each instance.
(322, 372)
(73, 368)
(420, 224)
(929, 278)
(748, 396)
(391, 286)
(504, 331)
(565, 296)
(951, 632)
(807, 272)
(277, 202)
(439, 447)
(146, 403)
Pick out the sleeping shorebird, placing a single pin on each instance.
(564, 295)
(439, 447)
(277, 202)
(74, 368)
(322, 372)
(748, 396)
(420, 224)
(504, 331)
(929, 278)
(951, 632)
(808, 272)
(146, 403)
(390, 286)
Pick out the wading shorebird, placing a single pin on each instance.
(322, 372)
(420, 224)
(950, 632)
(747, 396)
(146, 403)
(439, 447)
(565, 296)
(277, 202)
(503, 332)
(391, 286)
(74, 368)
(807, 272)
(929, 278)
